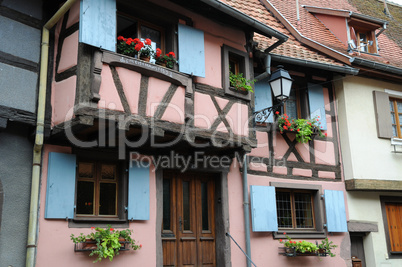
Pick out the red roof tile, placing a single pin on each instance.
(292, 47)
(310, 27)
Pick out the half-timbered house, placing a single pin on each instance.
(179, 155)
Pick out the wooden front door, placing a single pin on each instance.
(188, 229)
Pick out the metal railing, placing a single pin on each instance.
(241, 249)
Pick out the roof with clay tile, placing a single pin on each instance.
(292, 47)
(312, 28)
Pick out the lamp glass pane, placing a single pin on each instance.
(276, 87)
(286, 85)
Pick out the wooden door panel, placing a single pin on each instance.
(169, 252)
(207, 252)
(188, 251)
(191, 240)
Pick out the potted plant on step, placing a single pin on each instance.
(105, 243)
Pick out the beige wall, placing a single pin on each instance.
(366, 206)
(365, 156)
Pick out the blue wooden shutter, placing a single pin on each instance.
(98, 23)
(191, 51)
(138, 192)
(263, 208)
(60, 190)
(263, 98)
(335, 210)
(317, 104)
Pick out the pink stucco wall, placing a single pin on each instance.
(56, 249)
(69, 53)
(63, 99)
(110, 98)
(74, 14)
(264, 248)
(130, 81)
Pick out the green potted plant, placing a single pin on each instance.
(240, 83)
(294, 248)
(105, 243)
(325, 247)
(304, 128)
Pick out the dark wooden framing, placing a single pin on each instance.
(271, 130)
(384, 200)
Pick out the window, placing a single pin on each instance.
(136, 28)
(237, 62)
(362, 37)
(295, 209)
(97, 189)
(394, 215)
(391, 207)
(396, 117)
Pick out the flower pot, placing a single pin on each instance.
(145, 58)
(163, 64)
(89, 244)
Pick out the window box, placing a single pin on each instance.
(292, 252)
(90, 245)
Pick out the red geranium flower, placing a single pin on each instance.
(121, 38)
(158, 52)
(111, 229)
(128, 41)
(172, 54)
(148, 41)
(285, 127)
(139, 46)
(136, 40)
(277, 112)
(325, 134)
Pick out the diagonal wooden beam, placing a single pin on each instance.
(120, 91)
(165, 102)
(221, 115)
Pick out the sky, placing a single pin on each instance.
(396, 1)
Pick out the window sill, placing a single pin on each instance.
(146, 68)
(98, 222)
(297, 234)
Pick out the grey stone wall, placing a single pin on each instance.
(15, 177)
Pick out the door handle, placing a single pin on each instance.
(180, 223)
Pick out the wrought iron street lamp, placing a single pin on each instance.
(280, 83)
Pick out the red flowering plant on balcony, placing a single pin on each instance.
(106, 243)
(304, 128)
(132, 47)
(144, 48)
(169, 59)
(126, 46)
